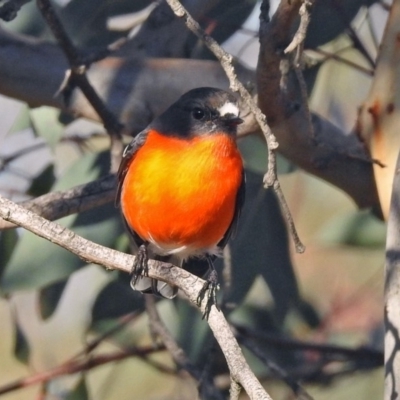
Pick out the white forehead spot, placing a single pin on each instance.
(229, 108)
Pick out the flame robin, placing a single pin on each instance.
(181, 185)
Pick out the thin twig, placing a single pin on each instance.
(5, 160)
(75, 366)
(297, 45)
(79, 362)
(234, 390)
(226, 62)
(122, 323)
(297, 389)
(300, 35)
(357, 43)
(335, 56)
(373, 356)
(159, 328)
(78, 77)
(207, 387)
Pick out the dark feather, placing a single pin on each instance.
(142, 283)
(238, 208)
(127, 158)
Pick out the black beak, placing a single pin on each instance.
(231, 120)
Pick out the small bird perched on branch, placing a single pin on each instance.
(181, 186)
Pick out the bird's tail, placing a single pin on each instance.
(145, 284)
(196, 265)
(148, 285)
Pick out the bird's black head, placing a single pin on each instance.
(201, 111)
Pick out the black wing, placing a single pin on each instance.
(127, 157)
(238, 208)
(143, 284)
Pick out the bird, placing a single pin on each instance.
(181, 187)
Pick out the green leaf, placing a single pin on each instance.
(36, 262)
(80, 392)
(228, 18)
(21, 346)
(261, 248)
(255, 154)
(46, 124)
(49, 297)
(8, 241)
(356, 229)
(22, 121)
(126, 336)
(29, 21)
(330, 18)
(193, 334)
(117, 299)
(92, 32)
(43, 182)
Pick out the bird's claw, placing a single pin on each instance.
(140, 266)
(209, 289)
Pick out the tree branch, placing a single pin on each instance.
(34, 71)
(77, 365)
(299, 37)
(339, 158)
(56, 205)
(392, 288)
(329, 351)
(112, 259)
(297, 389)
(378, 120)
(163, 35)
(77, 76)
(206, 386)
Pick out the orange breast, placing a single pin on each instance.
(181, 193)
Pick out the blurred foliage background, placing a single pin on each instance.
(53, 304)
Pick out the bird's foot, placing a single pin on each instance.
(209, 290)
(140, 266)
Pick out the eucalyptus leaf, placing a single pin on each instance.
(42, 183)
(8, 241)
(49, 297)
(46, 124)
(29, 21)
(86, 20)
(23, 120)
(36, 263)
(330, 18)
(80, 392)
(357, 229)
(261, 248)
(255, 154)
(225, 19)
(193, 334)
(117, 299)
(21, 346)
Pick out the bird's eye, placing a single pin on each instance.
(198, 113)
